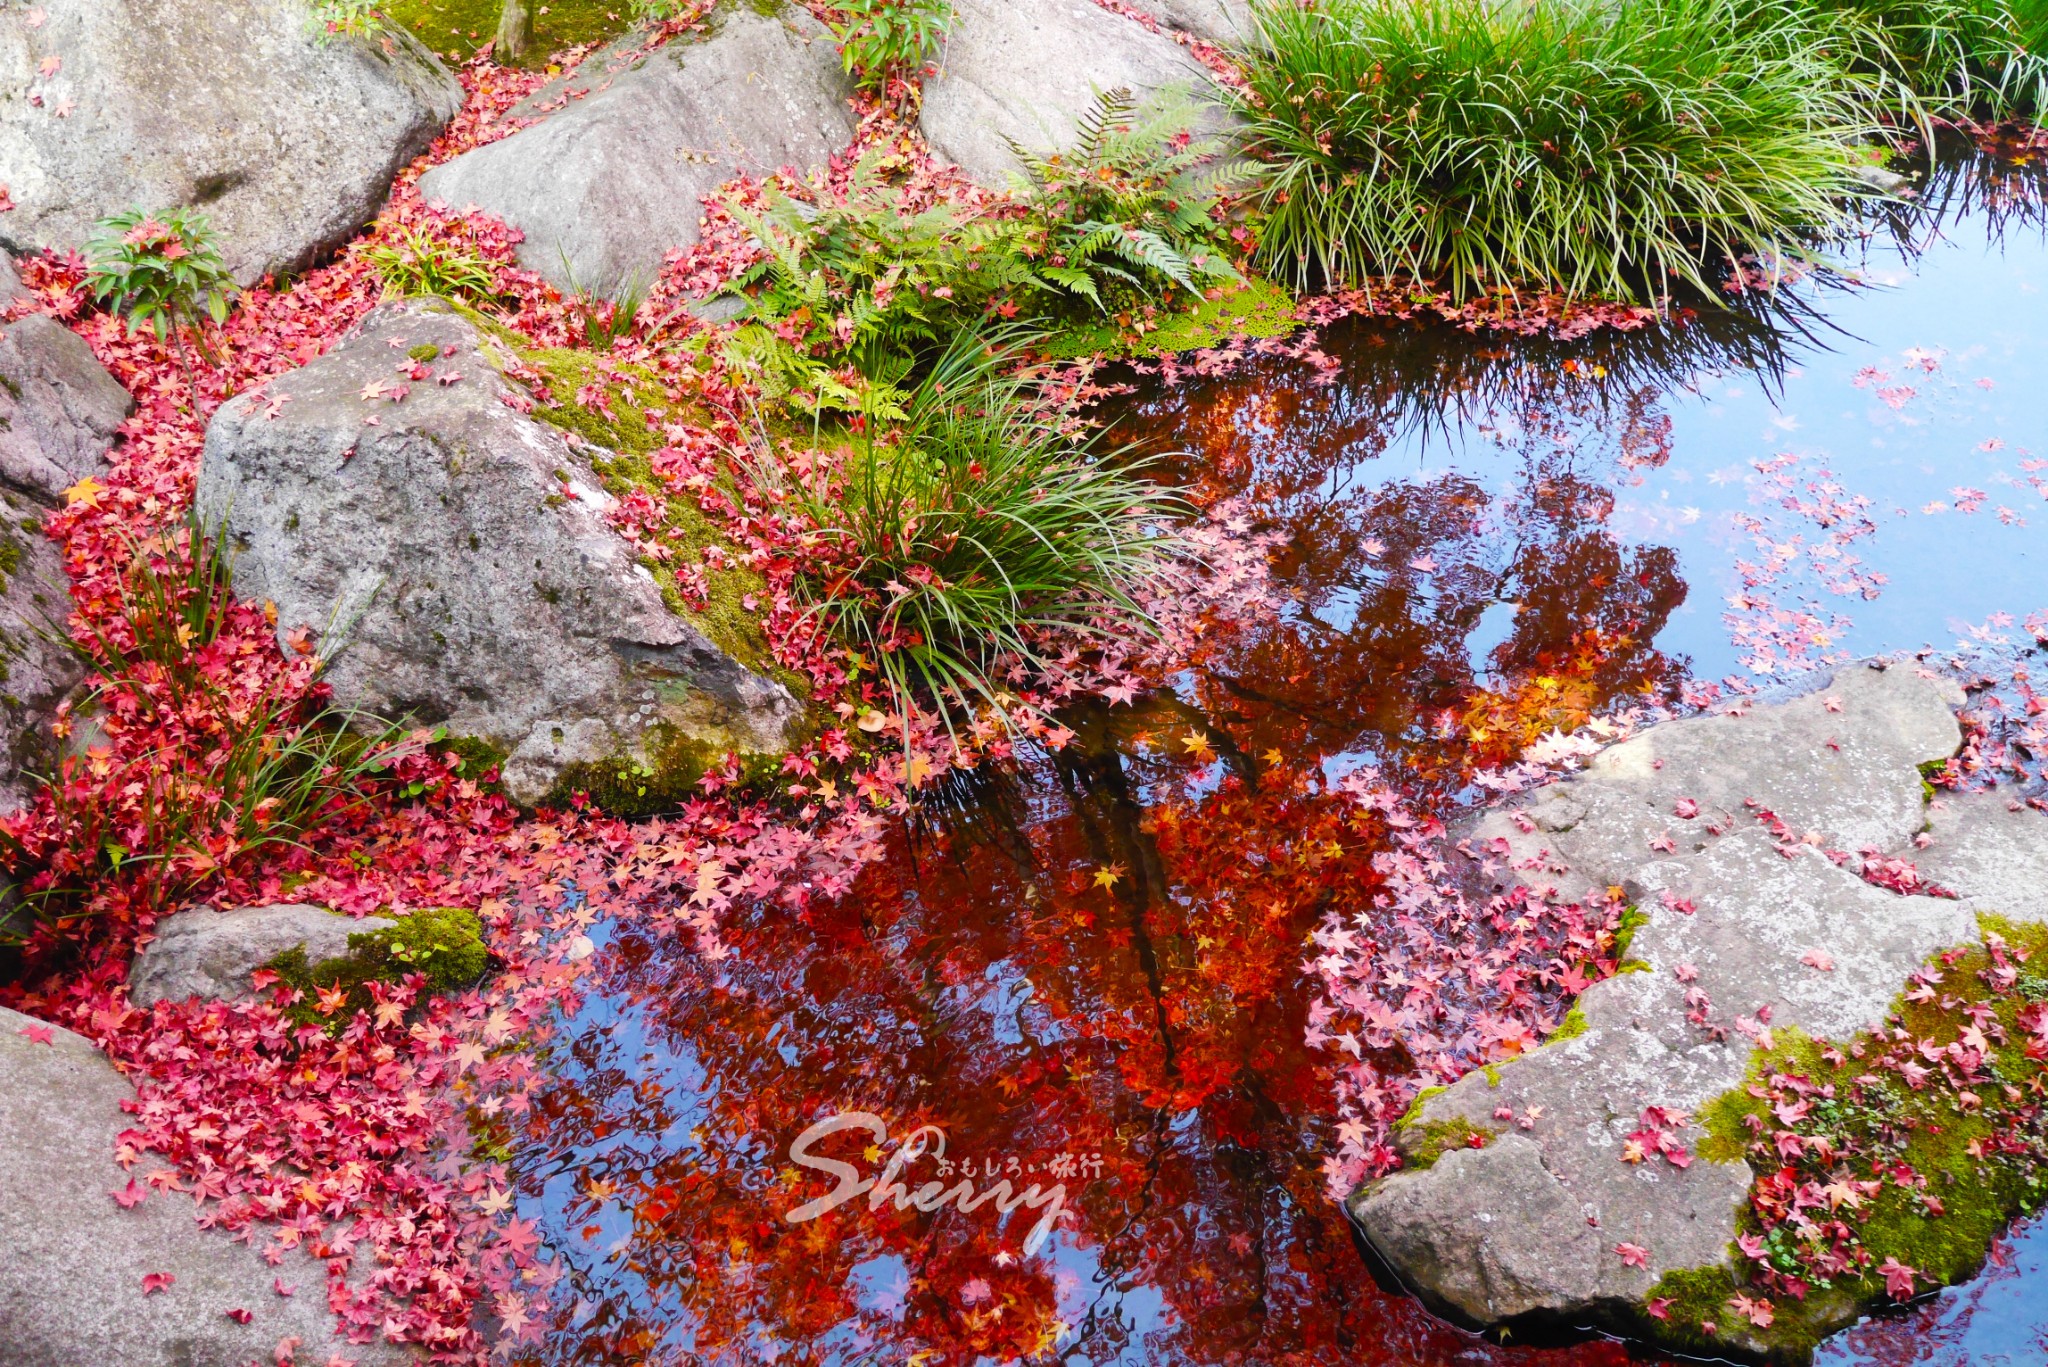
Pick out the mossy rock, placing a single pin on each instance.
(445, 945)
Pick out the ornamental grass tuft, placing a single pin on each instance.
(1576, 145)
(966, 545)
(1960, 58)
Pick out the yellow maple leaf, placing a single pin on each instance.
(86, 492)
(1106, 878)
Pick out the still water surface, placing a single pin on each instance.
(1088, 970)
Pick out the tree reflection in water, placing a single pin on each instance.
(1099, 953)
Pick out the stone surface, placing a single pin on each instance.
(1226, 23)
(287, 143)
(58, 405)
(1778, 934)
(36, 671)
(209, 953)
(604, 188)
(1991, 850)
(454, 560)
(72, 1261)
(1027, 73)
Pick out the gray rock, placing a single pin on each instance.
(605, 188)
(1226, 23)
(1028, 73)
(36, 669)
(72, 1261)
(452, 556)
(1778, 934)
(289, 144)
(1991, 850)
(59, 407)
(206, 953)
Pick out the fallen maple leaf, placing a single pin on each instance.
(277, 1285)
(39, 1034)
(1634, 1255)
(153, 1282)
(130, 1196)
(1820, 959)
(1660, 1308)
(240, 1316)
(1898, 1279)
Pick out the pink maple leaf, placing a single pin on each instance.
(153, 1282)
(1634, 1255)
(1898, 1279)
(38, 1034)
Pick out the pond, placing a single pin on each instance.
(1089, 969)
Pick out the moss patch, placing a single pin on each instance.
(1422, 1144)
(444, 944)
(455, 29)
(1572, 1026)
(664, 781)
(1925, 1174)
(1258, 308)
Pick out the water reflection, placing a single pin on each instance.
(1091, 965)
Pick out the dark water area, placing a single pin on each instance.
(1088, 970)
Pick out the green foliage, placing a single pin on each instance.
(1135, 200)
(855, 294)
(885, 40)
(348, 19)
(457, 28)
(1960, 57)
(1583, 146)
(957, 539)
(412, 262)
(1425, 1142)
(444, 945)
(161, 269)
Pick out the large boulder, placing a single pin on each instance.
(1226, 23)
(1735, 837)
(58, 412)
(72, 1260)
(1029, 73)
(605, 188)
(287, 140)
(451, 555)
(208, 953)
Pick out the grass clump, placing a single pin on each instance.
(1953, 57)
(444, 945)
(955, 544)
(1576, 145)
(1886, 1164)
(413, 263)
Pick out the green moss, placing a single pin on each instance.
(1572, 1026)
(455, 29)
(1492, 1073)
(445, 944)
(667, 778)
(1633, 919)
(1876, 1115)
(477, 757)
(1423, 1144)
(1258, 308)
(1414, 1111)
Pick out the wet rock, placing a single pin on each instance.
(59, 407)
(208, 953)
(1749, 928)
(1990, 849)
(36, 670)
(287, 142)
(1029, 73)
(606, 187)
(72, 1260)
(452, 557)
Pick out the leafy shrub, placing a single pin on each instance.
(1133, 200)
(414, 262)
(1957, 56)
(854, 292)
(1583, 146)
(162, 269)
(885, 40)
(958, 542)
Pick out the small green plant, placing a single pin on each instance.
(414, 262)
(162, 270)
(976, 535)
(348, 19)
(1577, 145)
(889, 40)
(1136, 199)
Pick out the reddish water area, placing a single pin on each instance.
(1092, 975)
